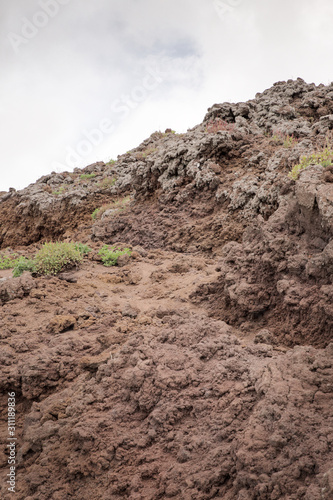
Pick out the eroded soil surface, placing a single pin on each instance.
(127, 390)
(200, 367)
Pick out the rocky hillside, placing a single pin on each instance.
(200, 366)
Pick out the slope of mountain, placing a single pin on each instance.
(201, 365)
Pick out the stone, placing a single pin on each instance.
(123, 260)
(130, 311)
(60, 324)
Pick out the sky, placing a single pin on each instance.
(85, 81)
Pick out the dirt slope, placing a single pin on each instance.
(201, 367)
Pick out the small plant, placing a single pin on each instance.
(110, 255)
(95, 213)
(277, 138)
(217, 125)
(111, 162)
(169, 131)
(53, 258)
(23, 265)
(83, 249)
(87, 176)
(117, 205)
(289, 141)
(143, 154)
(122, 202)
(323, 158)
(155, 136)
(8, 261)
(61, 190)
(326, 163)
(107, 182)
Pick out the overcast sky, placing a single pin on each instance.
(83, 81)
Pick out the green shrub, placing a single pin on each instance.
(53, 258)
(83, 249)
(167, 132)
(22, 265)
(87, 176)
(143, 154)
(107, 182)
(110, 255)
(8, 261)
(289, 141)
(111, 162)
(276, 138)
(95, 213)
(61, 190)
(119, 205)
(323, 158)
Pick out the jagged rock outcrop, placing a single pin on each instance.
(229, 160)
(280, 275)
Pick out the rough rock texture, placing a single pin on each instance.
(235, 169)
(152, 422)
(280, 275)
(11, 289)
(201, 366)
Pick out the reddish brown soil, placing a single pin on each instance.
(19, 226)
(200, 367)
(116, 398)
